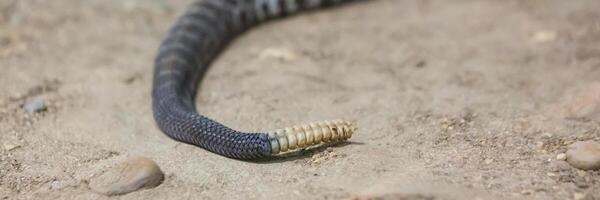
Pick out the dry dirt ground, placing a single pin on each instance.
(463, 99)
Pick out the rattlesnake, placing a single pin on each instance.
(199, 34)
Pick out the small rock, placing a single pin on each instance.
(584, 155)
(488, 161)
(544, 36)
(128, 176)
(581, 173)
(329, 149)
(277, 53)
(579, 196)
(527, 192)
(561, 156)
(34, 105)
(11, 146)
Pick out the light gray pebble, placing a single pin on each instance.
(584, 155)
(34, 105)
(561, 156)
(128, 176)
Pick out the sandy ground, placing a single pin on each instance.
(459, 99)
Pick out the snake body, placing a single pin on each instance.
(196, 38)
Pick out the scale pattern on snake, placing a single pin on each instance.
(189, 47)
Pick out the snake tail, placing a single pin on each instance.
(310, 135)
(199, 34)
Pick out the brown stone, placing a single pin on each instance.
(584, 155)
(128, 176)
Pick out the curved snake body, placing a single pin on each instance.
(196, 38)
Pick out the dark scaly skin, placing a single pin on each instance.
(196, 38)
